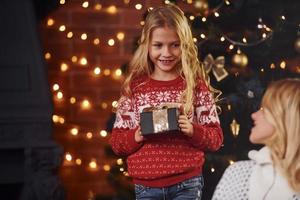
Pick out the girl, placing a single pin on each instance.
(274, 171)
(165, 69)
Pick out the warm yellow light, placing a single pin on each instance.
(111, 42)
(83, 36)
(217, 14)
(72, 100)
(202, 36)
(103, 133)
(50, 22)
(85, 4)
(262, 70)
(62, 1)
(125, 174)
(138, 6)
(167, 2)
(93, 164)
(89, 135)
(112, 9)
(47, 56)
(97, 70)
(61, 120)
(195, 39)
(192, 17)
(106, 167)
(222, 39)
(126, 1)
(118, 72)
(96, 41)
(70, 34)
(55, 87)
(64, 67)
(203, 19)
(98, 6)
(142, 23)
(55, 118)
(227, 2)
(283, 17)
(229, 107)
(85, 104)
(121, 169)
(121, 36)
(244, 40)
(283, 65)
(120, 161)
(231, 162)
(74, 131)
(83, 61)
(114, 104)
(272, 66)
(78, 161)
(104, 105)
(59, 95)
(106, 72)
(62, 28)
(231, 46)
(68, 157)
(74, 59)
(212, 170)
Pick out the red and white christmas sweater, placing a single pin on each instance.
(169, 158)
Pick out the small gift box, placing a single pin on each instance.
(159, 119)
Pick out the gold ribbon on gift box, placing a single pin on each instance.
(216, 66)
(160, 116)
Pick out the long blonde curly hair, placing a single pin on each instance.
(282, 105)
(191, 69)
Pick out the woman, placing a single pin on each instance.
(274, 171)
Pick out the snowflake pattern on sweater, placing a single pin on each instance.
(168, 158)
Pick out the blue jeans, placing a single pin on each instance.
(190, 189)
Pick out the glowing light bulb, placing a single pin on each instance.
(103, 133)
(83, 36)
(96, 41)
(55, 87)
(74, 131)
(50, 22)
(111, 42)
(47, 56)
(83, 61)
(68, 157)
(62, 28)
(72, 100)
(85, 4)
(97, 70)
(121, 36)
(138, 6)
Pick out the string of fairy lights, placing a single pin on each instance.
(203, 13)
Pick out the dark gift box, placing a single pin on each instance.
(158, 120)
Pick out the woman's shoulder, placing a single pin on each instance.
(234, 183)
(240, 167)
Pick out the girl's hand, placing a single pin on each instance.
(138, 135)
(185, 126)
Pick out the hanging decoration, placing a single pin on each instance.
(202, 7)
(216, 66)
(240, 59)
(235, 128)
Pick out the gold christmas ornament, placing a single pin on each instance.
(215, 65)
(297, 45)
(202, 6)
(240, 59)
(235, 128)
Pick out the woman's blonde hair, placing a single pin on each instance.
(172, 17)
(282, 104)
